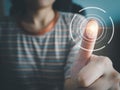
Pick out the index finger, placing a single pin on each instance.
(89, 39)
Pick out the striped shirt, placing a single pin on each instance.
(36, 62)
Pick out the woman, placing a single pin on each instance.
(37, 53)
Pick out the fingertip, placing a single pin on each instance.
(91, 31)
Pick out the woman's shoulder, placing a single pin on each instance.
(70, 15)
(7, 22)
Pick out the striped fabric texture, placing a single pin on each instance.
(36, 62)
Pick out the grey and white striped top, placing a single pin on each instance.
(36, 62)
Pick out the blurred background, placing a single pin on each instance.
(112, 8)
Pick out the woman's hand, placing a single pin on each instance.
(92, 72)
(99, 74)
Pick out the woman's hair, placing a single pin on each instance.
(68, 6)
(18, 8)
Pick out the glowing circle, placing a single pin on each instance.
(105, 35)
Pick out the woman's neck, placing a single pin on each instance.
(44, 16)
(40, 19)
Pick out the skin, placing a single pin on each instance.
(92, 72)
(89, 72)
(41, 17)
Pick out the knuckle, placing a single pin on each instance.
(116, 75)
(117, 81)
(102, 60)
(106, 61)
(82, 81)
(115, 86)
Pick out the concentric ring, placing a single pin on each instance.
(103, 39)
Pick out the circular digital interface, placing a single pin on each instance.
(105, 32)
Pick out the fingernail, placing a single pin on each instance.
(91, 29)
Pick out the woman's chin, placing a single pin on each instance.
(45, 3)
